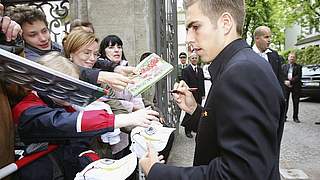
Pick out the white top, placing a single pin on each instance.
(262, 54)
(290, 71)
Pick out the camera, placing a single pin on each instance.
(16, 46)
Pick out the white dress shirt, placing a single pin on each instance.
(262, 54)
(290, 71)
(194, 68)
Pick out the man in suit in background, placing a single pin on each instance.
(193, 76)
(292, 82)
(183, 64)
(262, 38)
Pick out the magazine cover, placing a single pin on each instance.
(151, 70)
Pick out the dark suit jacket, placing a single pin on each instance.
(194, 79)
(275, 61)
(241, 126)
(296, 75)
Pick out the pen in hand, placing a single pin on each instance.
(180, 92)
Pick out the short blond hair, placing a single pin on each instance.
(260, 31)
(56, 61)
(76, 39)
(215, 8)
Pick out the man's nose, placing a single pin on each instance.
(189, 40)
(42, 37)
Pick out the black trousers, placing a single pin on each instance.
(295, 93)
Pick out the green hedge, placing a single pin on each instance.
(309, 55)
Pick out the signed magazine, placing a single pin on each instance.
(151, 70)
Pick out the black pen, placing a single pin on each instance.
(180, 92)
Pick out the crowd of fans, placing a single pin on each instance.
(83, 135)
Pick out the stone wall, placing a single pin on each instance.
(132, 20)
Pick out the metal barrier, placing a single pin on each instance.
(167, 48)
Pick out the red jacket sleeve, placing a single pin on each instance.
(36, 120)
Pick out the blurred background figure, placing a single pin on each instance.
(80, 24)
(193, 76)
(207, 81)
(262, 39)
(183, 64)
(292, 82)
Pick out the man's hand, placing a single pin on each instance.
(150, 159)
(185, 100)
(115, 80)
(10, 28)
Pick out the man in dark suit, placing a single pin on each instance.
(239, 129)
(262, 38)
(193, 76)
(292, 84)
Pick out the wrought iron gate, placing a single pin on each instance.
(57, 12)
(167, 48)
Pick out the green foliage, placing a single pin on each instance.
(309, 55)
(279, 14)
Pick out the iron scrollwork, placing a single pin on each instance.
(166, 27)
(57, 12)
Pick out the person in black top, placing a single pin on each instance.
(262, 38)
(193, 76)
(183, 64)
(292, 82)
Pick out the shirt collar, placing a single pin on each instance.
(54, 47)
(225, 56)
(255, 49)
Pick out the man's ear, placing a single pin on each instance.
(227, 22)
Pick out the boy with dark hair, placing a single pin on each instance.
(35, 31)
(38, 43)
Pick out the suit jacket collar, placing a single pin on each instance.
(225, 56)
(193, 66)
(294, 65)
